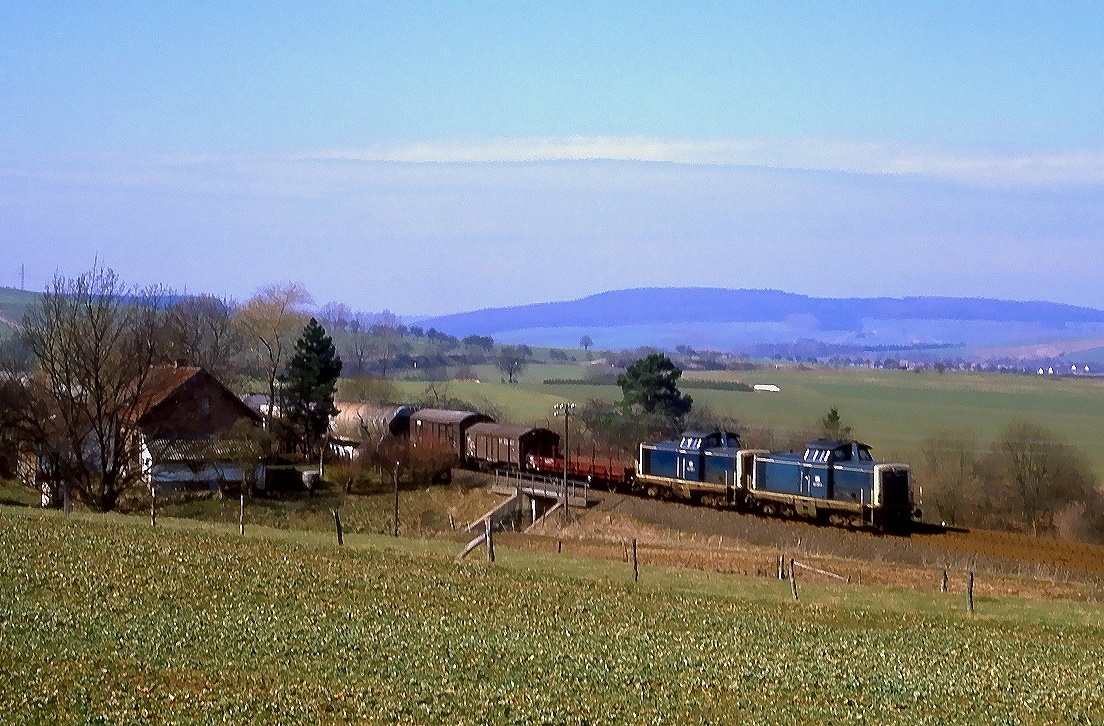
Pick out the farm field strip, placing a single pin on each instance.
(106, 619)
(891, 410)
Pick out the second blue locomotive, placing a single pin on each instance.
(838, 482)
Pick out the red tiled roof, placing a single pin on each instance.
(162, 382)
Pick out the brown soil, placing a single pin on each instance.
(678, 535)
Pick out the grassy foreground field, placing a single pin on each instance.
(105, 620)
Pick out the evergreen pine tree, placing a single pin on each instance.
(832, 427)
(651, 384)
(308, 386)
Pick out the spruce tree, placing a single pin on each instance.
(651, 384)
(308, 386)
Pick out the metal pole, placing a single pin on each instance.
(567, 456)
(565, 409)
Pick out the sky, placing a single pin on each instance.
(434, 158)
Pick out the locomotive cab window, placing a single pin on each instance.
(864, 455)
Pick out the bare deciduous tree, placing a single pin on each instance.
(93, 342)
(387, 331)
(949, 474)
(356, 343)
(203, 331)
(513, 360)
(1035, 475)
(274, 318)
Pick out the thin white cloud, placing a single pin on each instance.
(294, 174)
(865, 157)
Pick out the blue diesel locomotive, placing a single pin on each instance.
(833, 481)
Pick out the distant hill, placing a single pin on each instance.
(13, 303)
(724, 319)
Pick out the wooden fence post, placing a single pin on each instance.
(793, 580)
(66, 500)
(337, 524)
(241, 513)
(943, 584)
(636, 568)
(559, 546)
(153, 506)
(970, 592)
(396, 518)
(490, 540)
(781, 566)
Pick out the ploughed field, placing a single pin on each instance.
(684, 536)
(104, 619)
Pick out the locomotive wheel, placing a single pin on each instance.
(769, 509)
(653, 492)
(855, 522)
(837, 520)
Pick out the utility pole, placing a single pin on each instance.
(564, 409)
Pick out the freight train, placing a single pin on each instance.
(836, 482)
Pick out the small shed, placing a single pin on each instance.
(200, 464)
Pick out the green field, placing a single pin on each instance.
(891, 410)
(105, 620)
(14, 302)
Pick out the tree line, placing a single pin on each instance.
(1028, 478)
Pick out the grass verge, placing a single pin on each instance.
(105, 620)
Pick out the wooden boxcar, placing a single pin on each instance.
(443, 431)
(491, 445)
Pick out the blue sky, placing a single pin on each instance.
(435, 158)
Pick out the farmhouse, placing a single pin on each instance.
(185, 422)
